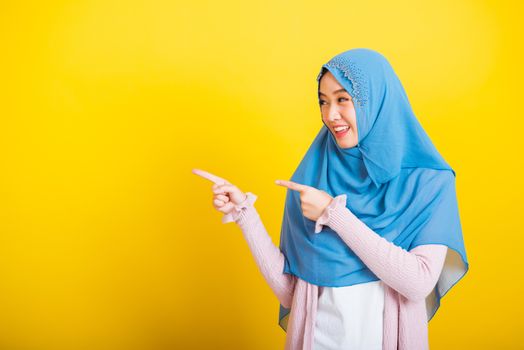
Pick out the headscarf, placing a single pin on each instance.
(395, 181)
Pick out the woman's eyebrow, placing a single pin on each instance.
(334, 92)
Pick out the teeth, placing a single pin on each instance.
(340, 128)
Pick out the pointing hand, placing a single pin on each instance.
(313, 201)
(226, 195)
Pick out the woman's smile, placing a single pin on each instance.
(342, 131)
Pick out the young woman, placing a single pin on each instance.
(371, 236)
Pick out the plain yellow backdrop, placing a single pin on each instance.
(108, 241)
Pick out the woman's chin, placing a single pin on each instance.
(347, 144)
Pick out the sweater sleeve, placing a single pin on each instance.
(412, 273)
(268, 257)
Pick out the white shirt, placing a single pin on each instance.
(350, 318)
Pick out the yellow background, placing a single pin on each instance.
(108, 241)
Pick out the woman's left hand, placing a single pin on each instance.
(313, 201)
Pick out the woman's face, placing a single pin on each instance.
(337, 109)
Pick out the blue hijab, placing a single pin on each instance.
(395, 181)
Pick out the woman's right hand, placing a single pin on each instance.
(225, 194)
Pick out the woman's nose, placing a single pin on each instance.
(333, 113)
(334, 116)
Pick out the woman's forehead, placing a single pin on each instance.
(329, 82)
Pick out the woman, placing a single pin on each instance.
(371, 236)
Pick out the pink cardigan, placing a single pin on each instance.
(408, 276)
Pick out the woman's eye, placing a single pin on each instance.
(340, 99)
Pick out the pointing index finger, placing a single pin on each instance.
(206, 175)
(291, 185)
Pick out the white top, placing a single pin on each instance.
(350, 318)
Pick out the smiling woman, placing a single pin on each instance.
(371, 270)
(338, 111)
(371, 238)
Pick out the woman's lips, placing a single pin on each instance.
(342, 133)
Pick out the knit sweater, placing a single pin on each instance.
(409, 276)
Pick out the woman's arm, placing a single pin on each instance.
(412, 273)
(268, 257)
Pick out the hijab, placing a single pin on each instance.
(395, 181)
